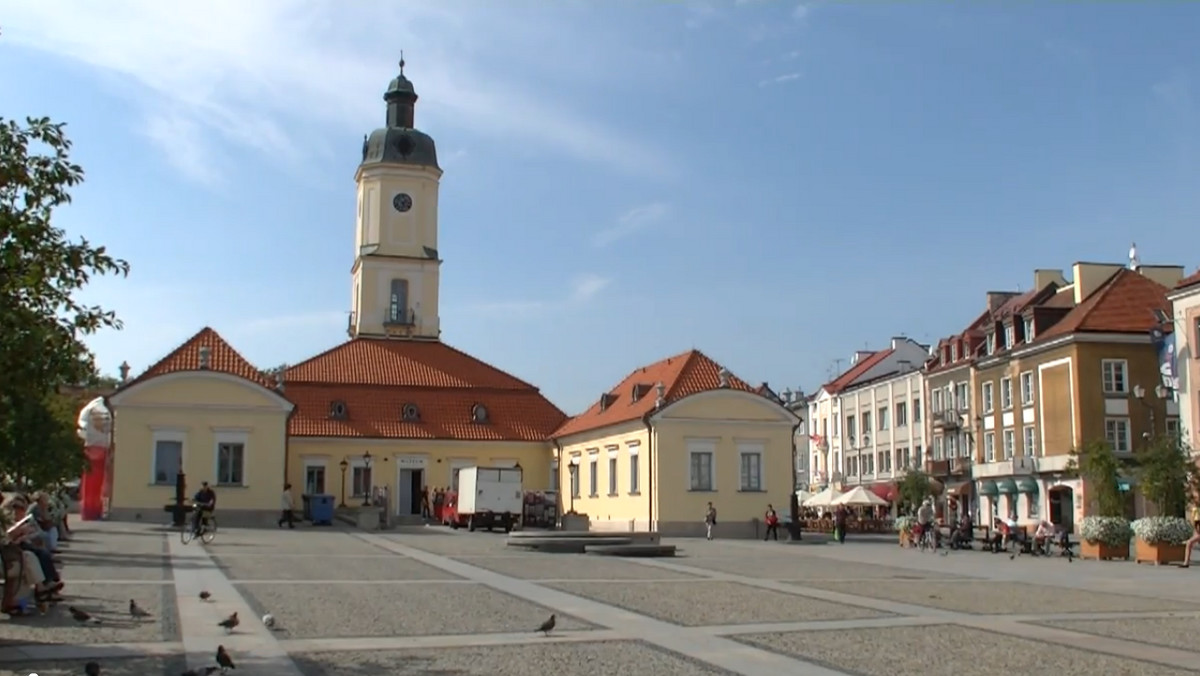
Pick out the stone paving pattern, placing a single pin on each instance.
(425, 600)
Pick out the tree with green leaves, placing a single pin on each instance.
(1167, 475)
(1101, 470)
(42, 321)
(913, 489)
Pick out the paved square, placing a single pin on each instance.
(120, 555)
(447, 543)
(989, 597)
(306, 567)
(948, 650)
(110, 604)
(314, 611)
(628, 658)
(1174, 632)
(310, 540)
(799, 567)
(694, 604)
(571, 567)
(123, 666)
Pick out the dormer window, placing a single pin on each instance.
(410, 413)
(338, 410)
(1029, 333)
(1010, 335)
(479, 413)
(954, 352)
(640, 390)
(991, 343)
(607, 400)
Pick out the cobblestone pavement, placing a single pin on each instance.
(463, 604)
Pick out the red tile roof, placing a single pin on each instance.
(682, 375)
(1125, 303)
(856, 371)
(222, 358)
(1191, 280)
(376, 379)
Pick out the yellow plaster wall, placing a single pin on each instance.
(625, 510)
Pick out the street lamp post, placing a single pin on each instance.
(179, 517)
(367, 481)
(573, 470)
(344, 465)
(1139, 393)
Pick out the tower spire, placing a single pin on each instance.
(402, 63)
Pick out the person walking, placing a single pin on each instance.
(286, 505)
(1194, 540)
(710, 520)
(839, 523)
(772, 520)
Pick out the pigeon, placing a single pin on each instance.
(547, 626)
(137, 611)
(229, 623)
(91, 669)
(80, 616)
(224, 659)
(946, 553)
(268, 620)
(204, 596)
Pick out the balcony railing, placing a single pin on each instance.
(946, 420)
(399, 317)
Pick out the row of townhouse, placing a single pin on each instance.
(992, 413)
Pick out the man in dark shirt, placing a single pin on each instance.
(205, 504)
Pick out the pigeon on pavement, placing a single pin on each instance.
(80, 616)
(91, 669)
(204, 596)
(137, 611)
(229, 623)
(224, 659)
(547, 626)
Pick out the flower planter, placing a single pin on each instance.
(904, 538)
(1158, 553)
(1102, 552)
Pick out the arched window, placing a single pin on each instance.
(410, 413)
(479, 413)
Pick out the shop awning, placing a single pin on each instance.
(987, 487)
(1006, 486)
(959, 488)
(1027, 485)
(886, 490)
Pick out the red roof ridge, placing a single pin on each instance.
(1094, 314)
(857, 369)
(1191, 280)
(224, 359)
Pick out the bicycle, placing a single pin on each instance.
(208, 530)
(928, 539)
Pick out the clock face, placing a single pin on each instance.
(402, 202)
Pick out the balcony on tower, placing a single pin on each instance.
(352, 325)
(399, 321)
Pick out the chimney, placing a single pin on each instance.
(997, 298)
(1044, 277)
(723, 377)
(124, 371)
(787, 396)
(204, 352)
(861, 354)
(1087, 277)
(660, 391)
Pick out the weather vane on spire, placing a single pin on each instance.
(402, 62)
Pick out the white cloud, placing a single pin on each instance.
(779, 79)
(586, 287)
(632, 221)
(260, 75)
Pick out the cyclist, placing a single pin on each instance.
(925, 516)
(205, 504)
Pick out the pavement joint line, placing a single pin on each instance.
(368, 643)
(44, 652)
(198, 619)
(1011, 625)
(715, 650)
(246, 581)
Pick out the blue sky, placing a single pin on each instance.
(777, 184)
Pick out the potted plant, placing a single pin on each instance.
(904, 525)
(1105, 534)
(1166, 473)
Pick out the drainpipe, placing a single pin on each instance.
(650, 470)
(558, 448)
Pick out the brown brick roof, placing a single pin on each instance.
(222, 358)
(1125, 303)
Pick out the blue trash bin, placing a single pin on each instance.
(321, 508)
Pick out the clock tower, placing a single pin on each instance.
(396, 264)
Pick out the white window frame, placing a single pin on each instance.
(883, 418)
(991, 343)
(1174, 429)
(358, 463)
(936, 396)
(746, 450)
(1118, 433)
(574, 480)
(323, 463)
(937, 448)
(1010, 444)
(170, 435)
(696, 448)
(1006, 392)
(989, 397)
(230, 438)
(1029, 330)
(989, 447)
(1112, 370)
(962, 397)
(954, 352)
(1010, 335)
(916, 409)
(851, 426)
(1026, 379)
(901, 414)
(593, 472)
(635, 480)
(1030, 441)
(613, 451)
